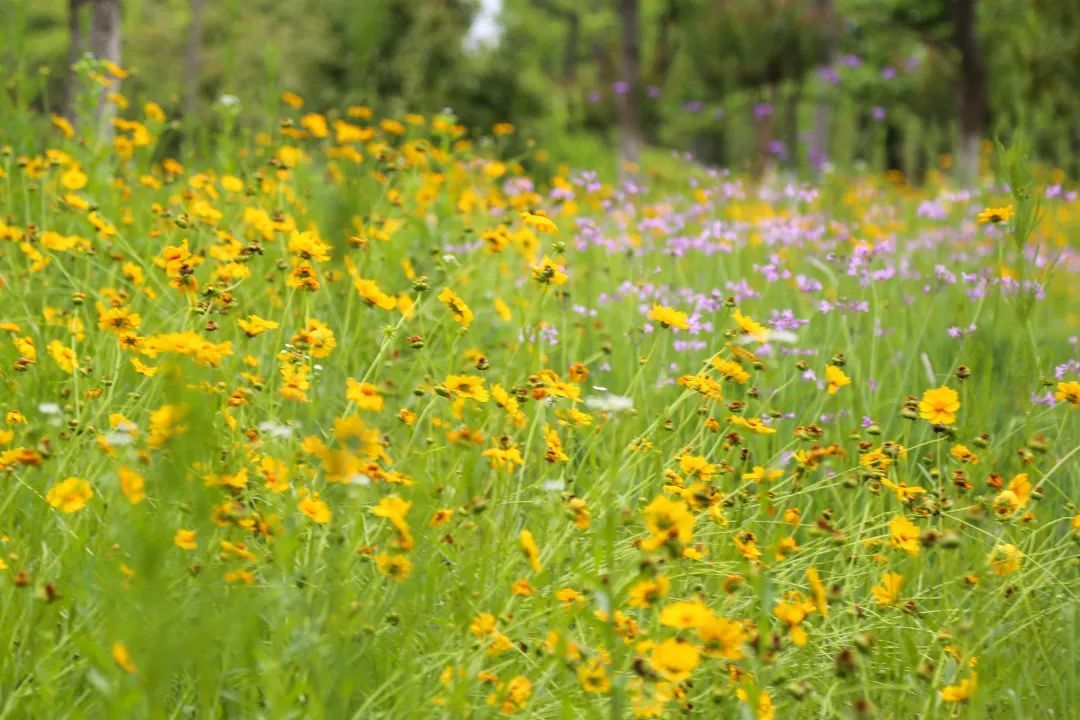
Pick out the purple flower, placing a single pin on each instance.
(762, 111)
(620, 87)
(878, 113)
(786, 320)
(1069, 366)
(828, 74)
(1046, 399)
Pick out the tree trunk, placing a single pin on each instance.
(105, 45)
(75, 48)
(972, 105)
(627, 104)
(192, 55)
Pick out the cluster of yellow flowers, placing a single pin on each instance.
(373, 355)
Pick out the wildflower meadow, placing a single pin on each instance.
(365, 414)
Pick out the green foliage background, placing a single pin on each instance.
(552, 68)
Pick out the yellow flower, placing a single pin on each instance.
(667, 520)
(292, 99)
(939, 405)
(903, 491)
(669, 317)
(364, 394)
(730, 369)
(73, 179)
(253, 325)
(63, 126)
(503, 458)
(394, 509)
(547, 272)
(1014, 497)
(888, 593)
(1005, 559)
(466, 386)
(122, 658)
(748, 326)
(995, 215)
(721, 637)
(962, 692)
(64, 356)
(837, 378)
(818, 590)
(793, 612)
(539, 223)
(154, 112)
(762, 474)
(555, 452)
(532, 552)
(754, 424)
(961, 453)
(685, 614)
(185, 539)
(904, 535)
(522, 588)
(316, 509)
(373, 295)
(675, 659)
(593, 676)
(132, 484)
(696, 466)
(568, 596)
(70, 495)
(646, 593)
(458, 309)
(396, 566)
(1068, 392)
(515, 695)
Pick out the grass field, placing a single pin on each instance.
(358, 418)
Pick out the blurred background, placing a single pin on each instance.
(907, 85)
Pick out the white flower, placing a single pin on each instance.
(275, 430)
(609, 403)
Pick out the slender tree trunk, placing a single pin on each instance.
(192, 55)
(628, 103)
(75, 48)
(972, 105)
(105, 45)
